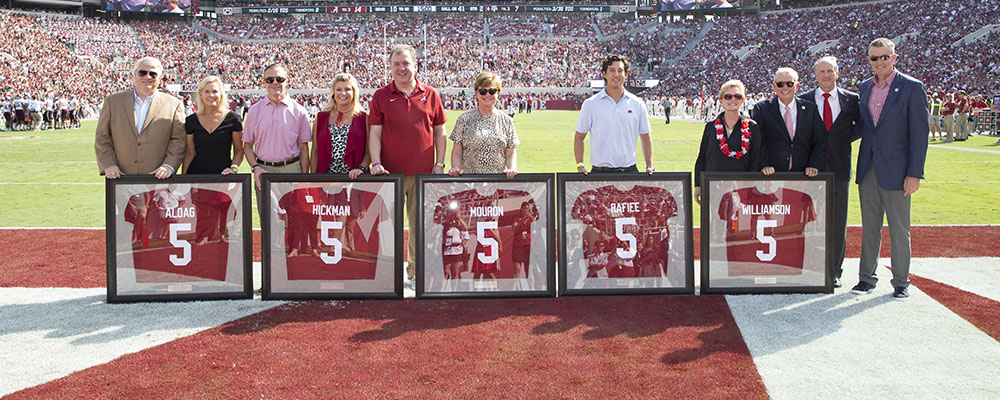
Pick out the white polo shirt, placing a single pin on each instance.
(613, 127)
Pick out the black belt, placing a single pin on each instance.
(278, 163)
(631, 168)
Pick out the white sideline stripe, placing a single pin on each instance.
(965, 149)
(958, 182)
(48, 333)
(46, 162)
(977, 275)
(869, 346)
(52, 183)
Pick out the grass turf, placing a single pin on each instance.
(34, 193)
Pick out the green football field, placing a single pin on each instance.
(51, 179)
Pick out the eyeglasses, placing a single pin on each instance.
(736, 96)
(483, 91)
(272, 79)
(884, 57)
(152, 74)
(785, 84)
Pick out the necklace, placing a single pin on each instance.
(744, 139)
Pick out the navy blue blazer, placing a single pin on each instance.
(846, 128)
(897, 146)
(808, 149)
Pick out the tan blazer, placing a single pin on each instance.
(161, 141)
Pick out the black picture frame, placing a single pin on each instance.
(543, 209)
(664, 186)
(334, 289)
(116, 210)
(783, 279)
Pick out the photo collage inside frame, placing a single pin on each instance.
(186, 239)
(490, 237)
(626, 234)
(331, 238)
(765, 235)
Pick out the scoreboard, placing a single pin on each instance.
(429, 9)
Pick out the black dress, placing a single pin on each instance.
(212, 151)
(711, 159)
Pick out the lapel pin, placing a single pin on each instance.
(897, 89)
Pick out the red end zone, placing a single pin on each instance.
(656, 347)
(75, 257)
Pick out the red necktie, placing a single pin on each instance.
(827, 112)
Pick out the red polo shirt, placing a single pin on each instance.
(407, 127)
(948, 108)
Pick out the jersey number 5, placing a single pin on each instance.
(625, 237)
(326, 228)
(491, 243)
(184, 245)
(772, 245)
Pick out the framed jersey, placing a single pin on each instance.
(183, 238)
(626, 234)
(327, 237)
(485, 236)
(766, 234)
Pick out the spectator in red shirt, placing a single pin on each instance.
(407, 132)
(962, 116)
(948, 118)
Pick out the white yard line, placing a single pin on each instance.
(48, 333)
(966, 149)
(869, 346)
(53, 183)
(974, 275)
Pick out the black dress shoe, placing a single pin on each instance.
(862, 288)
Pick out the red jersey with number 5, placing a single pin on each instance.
(765, 231)
(628, 223)
(491, 217)
(179, 237)
(334, 235)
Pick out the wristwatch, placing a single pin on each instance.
(440, 164)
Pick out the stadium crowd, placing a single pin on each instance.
(77, 49)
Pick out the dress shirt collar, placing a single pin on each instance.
(135, 96)
(820, 92)
(888, 81)
(782, 106)
(287, 101)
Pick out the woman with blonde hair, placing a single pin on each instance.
(731, 142)
(340, 133)
(484, 136)
(212, 130)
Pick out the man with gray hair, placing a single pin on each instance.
(793, 135)
(891, 161)
(407, 133)
(141, 130)
(838, 110)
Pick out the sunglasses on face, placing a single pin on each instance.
(272, 79)
(785, 84)
(884, 57)
(152, 74)
(736, 96)
(484, 91)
